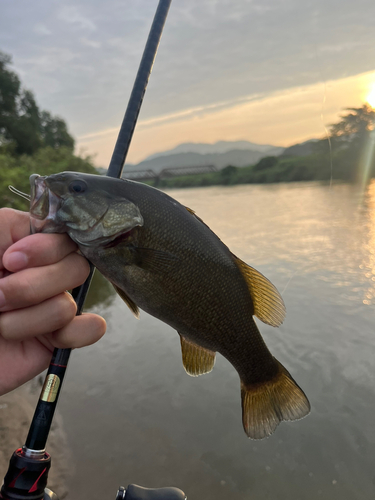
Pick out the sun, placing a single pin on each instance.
(371, 97)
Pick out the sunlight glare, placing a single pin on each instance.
(371, 97)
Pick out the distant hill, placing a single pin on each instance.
(218, 147)
(238, 158)
(220, 155)
(302, 149)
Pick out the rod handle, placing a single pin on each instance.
(26, 477)
(134, 492)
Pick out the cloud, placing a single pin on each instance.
(50, 59)
(214, 55)
(280, 118)
(183, 115)
(90, 43)
(41, 29)
(70, 14)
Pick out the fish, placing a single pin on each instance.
(162, 258)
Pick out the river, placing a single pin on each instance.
(133, 415)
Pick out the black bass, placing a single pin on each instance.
(162, 258)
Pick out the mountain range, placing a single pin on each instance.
(220, 154)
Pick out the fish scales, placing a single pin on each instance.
(221, 303)
(165, 260)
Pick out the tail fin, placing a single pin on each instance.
(265, 405)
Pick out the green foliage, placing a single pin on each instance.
(16, 171)
(266, 162)
(54, 131)
(228, 174)
(24, 128)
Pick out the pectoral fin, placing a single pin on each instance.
(155, 260)
(128, 301)
(269, 306)
(196, 359)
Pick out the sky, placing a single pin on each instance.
(268, 71)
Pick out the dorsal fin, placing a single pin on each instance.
(196, 359)
(128, 301)
(191, 211)
(269, 306)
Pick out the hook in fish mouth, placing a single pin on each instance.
(19, 193)
(43, 204)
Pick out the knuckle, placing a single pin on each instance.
(5, 327)
(65, 310)
(7, 213)
(29, 289)
(80, 268)
(18, 289)
(58, 246)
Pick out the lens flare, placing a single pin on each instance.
(371, 97)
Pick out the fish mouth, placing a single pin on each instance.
(47, 216)
(43, 205)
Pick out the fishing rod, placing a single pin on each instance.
(28, 469)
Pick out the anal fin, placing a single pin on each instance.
(196, 359)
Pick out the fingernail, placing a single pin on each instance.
(16, 261)
(2, 299)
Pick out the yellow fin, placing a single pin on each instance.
(265, 405)
(196, 359)
(269, 306)
(128, 301)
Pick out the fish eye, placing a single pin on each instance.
(77, 187)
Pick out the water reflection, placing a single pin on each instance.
(101, 293)
(368, 264)
(133, 415)
(308, 227)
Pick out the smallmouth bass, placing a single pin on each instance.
(161, 257)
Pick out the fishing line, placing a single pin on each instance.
(329, 145)
(290, 279)
(322, 116)
(327, 134)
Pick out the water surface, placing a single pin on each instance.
(134, 416)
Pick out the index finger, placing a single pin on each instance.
(14, 225)
(38, 250)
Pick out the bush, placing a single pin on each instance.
(46, 161)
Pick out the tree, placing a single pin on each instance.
(352, 138)
(55, 132)
(23, 127)
(9, 90)
(354, 127)
(265, 163)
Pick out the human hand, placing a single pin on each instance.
(36, 313)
